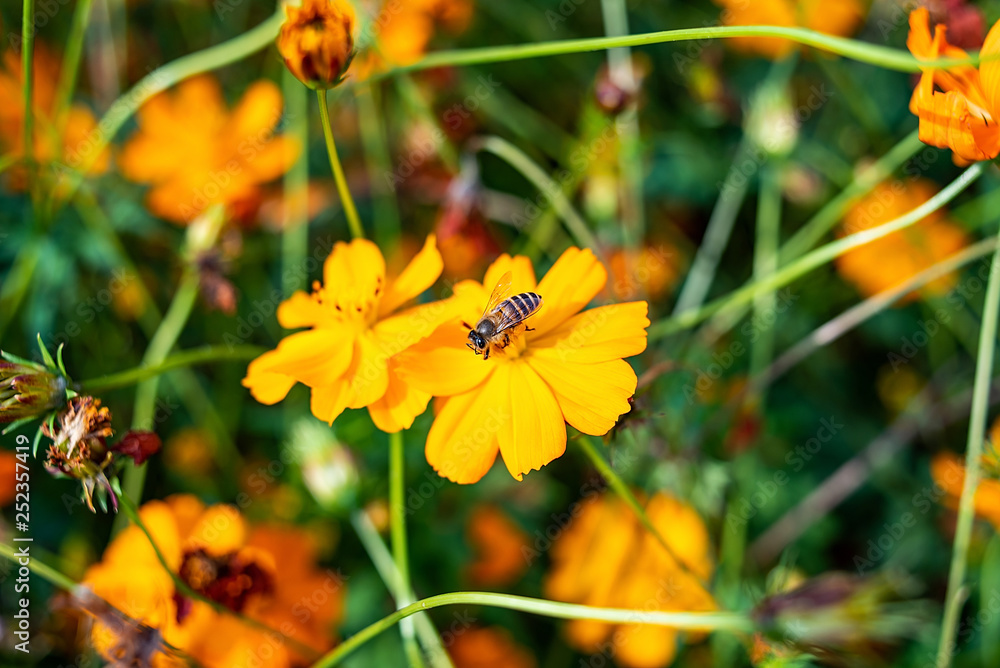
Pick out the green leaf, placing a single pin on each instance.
(46, 357)
(17, 423)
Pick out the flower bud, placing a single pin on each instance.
(27, 389)
(317, 41)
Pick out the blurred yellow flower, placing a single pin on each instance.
(834, 17)
(960, 114)
(220, 556)
(404, 28)
(489, 647)
(79, 123)
(568, 368)
(195, 152)
(317, 41)
(358, 327)
(500, 547)
(606, 558)
(894, 259)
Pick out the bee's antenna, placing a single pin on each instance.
(466, 325)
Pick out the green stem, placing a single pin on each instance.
(132, 513)
(714, 621)
(40, 568)
(765, 262)
(187, 358)
(71, 64)
(373, 135)
(815, 259)
(338, 172)
(520, 161)
(145, 396)
(295, 186)
(17, 281)
(27, 77)
(400, 556)
(881, 56)
(390, 575)
(955, 596)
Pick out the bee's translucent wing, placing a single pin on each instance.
(500, 293)
(511, 317)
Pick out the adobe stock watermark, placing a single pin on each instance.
(796, 459)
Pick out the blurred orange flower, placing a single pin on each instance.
(404, 28)
(894, 259)
(194, 152)
(606, 558)
(79, 123)
(833, 17)
(8, 480)
(568, 368)
(357, 329)
(317, 41)
(648, 271)
(500, 547)
(948, 472)
(490, 647)
(962, 113)
(219, 555)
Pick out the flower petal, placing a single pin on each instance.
(257, 113)
(596, 335)
(300, 310)
(398, 332)
(220, 529)
(989, 69)
(462, 442)
(536, 433)
(269, 160)
(441, 365)
(400, 404)
(574, 280)
(591, 396)
(316, 358)
(329, 401)
(369, 372)
(356, 266)
(420, 274)
(522, 274)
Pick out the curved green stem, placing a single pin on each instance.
(40, 568)
(881, 56)
(955, 596)
(70, 68)
(815, 259)
(696, 621)
(346, 200)
(145, 396)
(132, 513)
(183, 359)
(520, 161)
(400, 556)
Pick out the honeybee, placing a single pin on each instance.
(503, 312)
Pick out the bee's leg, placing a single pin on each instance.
(486, 353)
(529, 329)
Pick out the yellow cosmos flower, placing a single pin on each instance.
(568, 368)
(606, 558)
(357, 327)
(195, 152)
(894, 259)
(265, 572)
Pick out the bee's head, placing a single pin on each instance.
(477, 342)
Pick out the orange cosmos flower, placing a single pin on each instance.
(404, 28)
(948, 471)
(265, 572)
(606, 558)
(894, 259)
(833, 17)
(357, 327)
(194, 152)
(317, 41)
(568, 368)
(490, 647)
(79, 123)
(500, 547)
(957, 107)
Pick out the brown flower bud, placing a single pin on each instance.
(317, 41)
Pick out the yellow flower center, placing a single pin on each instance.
(351, 305)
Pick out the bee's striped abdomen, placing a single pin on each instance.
(519, 307)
